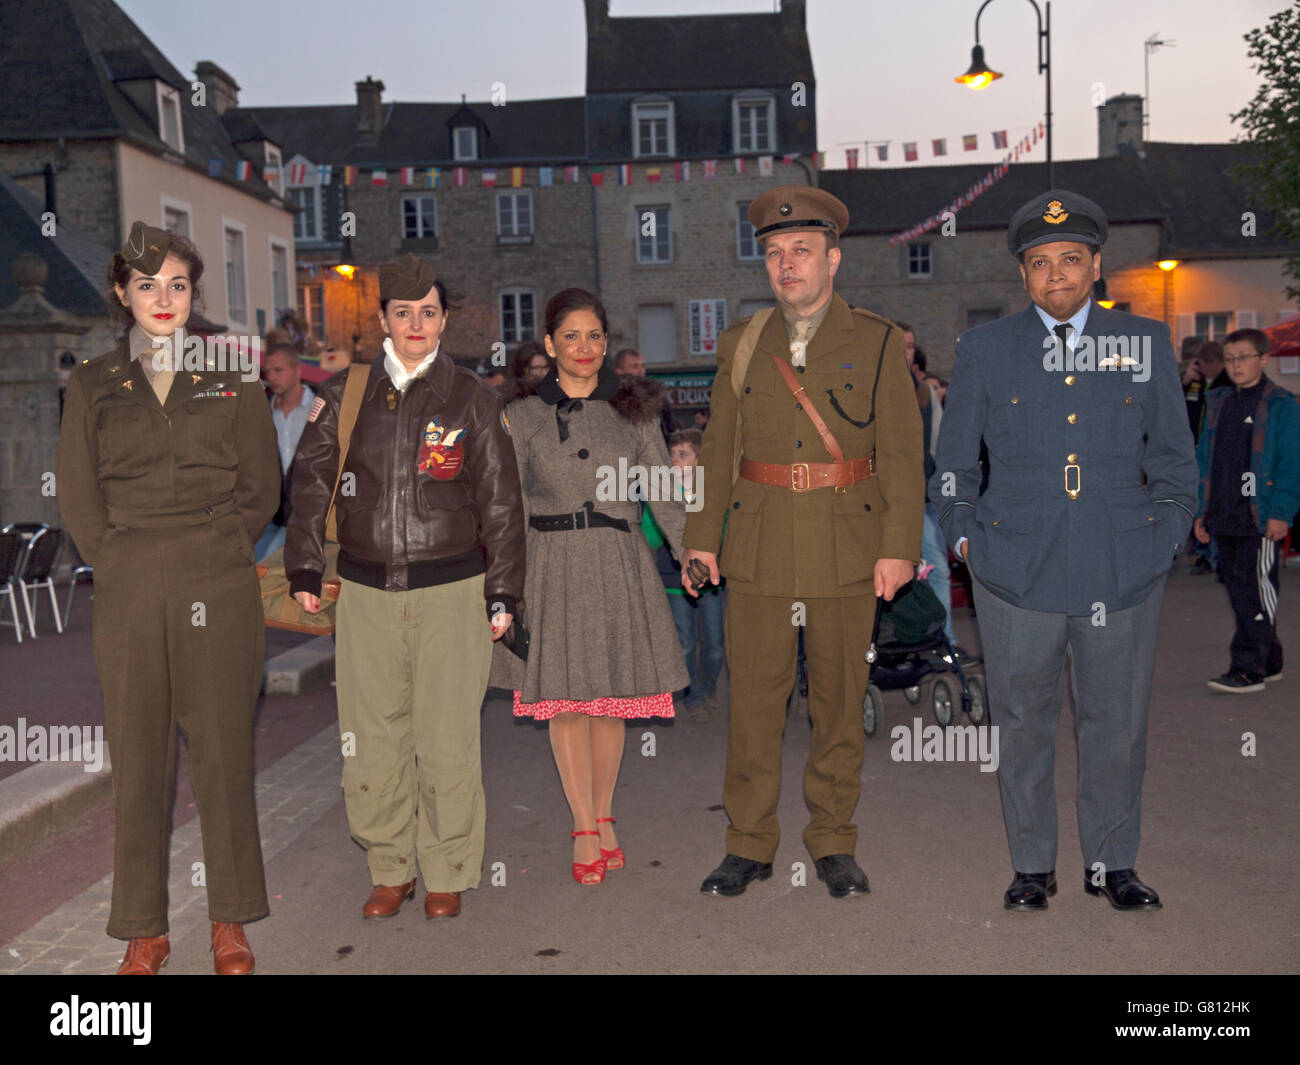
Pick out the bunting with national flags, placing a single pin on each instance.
(999, 138)
(652, 174)
(214, 168)
(682, 170)
(740, 165)
(970, 142)
(460, 177)
(379, 177)
(432, 174)
(488, 179)
(882, 152)
(597, 175)
(710, 168)
(909, 151)
(851, 158)
(572, 175)
(545, 176)
(243, 170)
(408, 175)
(325, 173)
(624, 174)
(516, 177)
(765, 165)
(349, 175)
(297, 173)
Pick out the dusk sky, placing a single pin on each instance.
(884, 70)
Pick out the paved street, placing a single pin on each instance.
(1219, 844)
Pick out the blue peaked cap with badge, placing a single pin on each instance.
(1056, 215)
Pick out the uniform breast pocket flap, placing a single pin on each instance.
(444, 495)
(124, 433)
(212, 422)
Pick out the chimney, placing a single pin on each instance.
(48, 174)
(370, 109)
(220, 87)
(794, 17)
(1119, 126)
(597, 18)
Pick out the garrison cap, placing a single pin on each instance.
(146, 247)
(406, 278)
(797, 209)
(1056, 214)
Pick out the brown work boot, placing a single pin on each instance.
(386, 900)
(231, 955)
(442, 904)
(144, 957)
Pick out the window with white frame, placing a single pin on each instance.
(306, 223)
(279, 277)
(276, 166)
(654, 243)
(1215, 325)
(747, 246)
(754, 123)
(652, 129)
(518, 315)
(176, 218)
(236, 275)
(419, 217)
(515, 215)
(170, 131)
(464, 143)
(311, 308)
(918, 259)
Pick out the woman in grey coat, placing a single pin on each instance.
(603, 646)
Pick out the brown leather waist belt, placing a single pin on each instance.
(805, 476)
(143, 519)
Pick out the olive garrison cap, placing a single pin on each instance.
(146, 247)
(406, 278)
(797, 209)
(1056, 215)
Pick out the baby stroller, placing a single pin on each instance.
(907, 646)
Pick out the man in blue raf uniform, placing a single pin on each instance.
(1092, 489)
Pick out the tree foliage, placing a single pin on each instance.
(1271, 125)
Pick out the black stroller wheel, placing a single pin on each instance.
(978, 710)
(941, 701)
(873, 710)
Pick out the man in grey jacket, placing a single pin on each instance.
(1092, 489)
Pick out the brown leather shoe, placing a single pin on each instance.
(144, 957)
(231, 955)
(385, 900)
(442, 904)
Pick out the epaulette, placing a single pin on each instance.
(872, 314)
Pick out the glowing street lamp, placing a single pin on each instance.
(345, 271)
(981, 75)
(1168, 264)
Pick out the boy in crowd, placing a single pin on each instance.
(1249, 457)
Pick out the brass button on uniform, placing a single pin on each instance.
(1128, 400)
(1071, 457)
(996, 523)
(1072, 418)
(1069, 380)
(1015, 399)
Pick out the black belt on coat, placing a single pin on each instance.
(587, 518)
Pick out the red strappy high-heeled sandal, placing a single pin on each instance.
(597, 868)
(614, 859)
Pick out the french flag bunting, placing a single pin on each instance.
(624, 174)
(571, 175)
(682, 170)
(243, 170)
(999, 138)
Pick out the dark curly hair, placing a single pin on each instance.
(119, 273)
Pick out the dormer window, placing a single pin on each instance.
(652, 129)
(169, 117)
(753, 119)
(464, 143)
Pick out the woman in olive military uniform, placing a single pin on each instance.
(166, 476)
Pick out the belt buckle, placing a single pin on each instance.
(794, 477)
(579, 519)
(1073, 493)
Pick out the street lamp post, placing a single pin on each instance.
(980, 75)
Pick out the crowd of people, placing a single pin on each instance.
(471, 529)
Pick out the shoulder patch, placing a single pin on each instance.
(316, 408)
(505, 422)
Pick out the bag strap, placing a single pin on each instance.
(739, 368)
(349, 408)
(806, 405)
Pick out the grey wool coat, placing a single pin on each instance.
(594, 603)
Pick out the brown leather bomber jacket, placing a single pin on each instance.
(430, 492)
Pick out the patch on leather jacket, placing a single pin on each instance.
(441, 453)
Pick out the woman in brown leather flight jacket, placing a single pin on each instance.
(431, 533)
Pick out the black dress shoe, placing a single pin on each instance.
(734, 875)
(1124, 891)
(1030, 891)
(843, 875)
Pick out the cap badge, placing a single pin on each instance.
(785, 209)
(1056, 214)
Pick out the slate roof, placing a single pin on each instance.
(66, 68)
(1187, 187)
(78, 263)
(415, 134)
(665, 53)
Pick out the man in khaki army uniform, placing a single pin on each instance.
(824, 515)
(166, 475)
